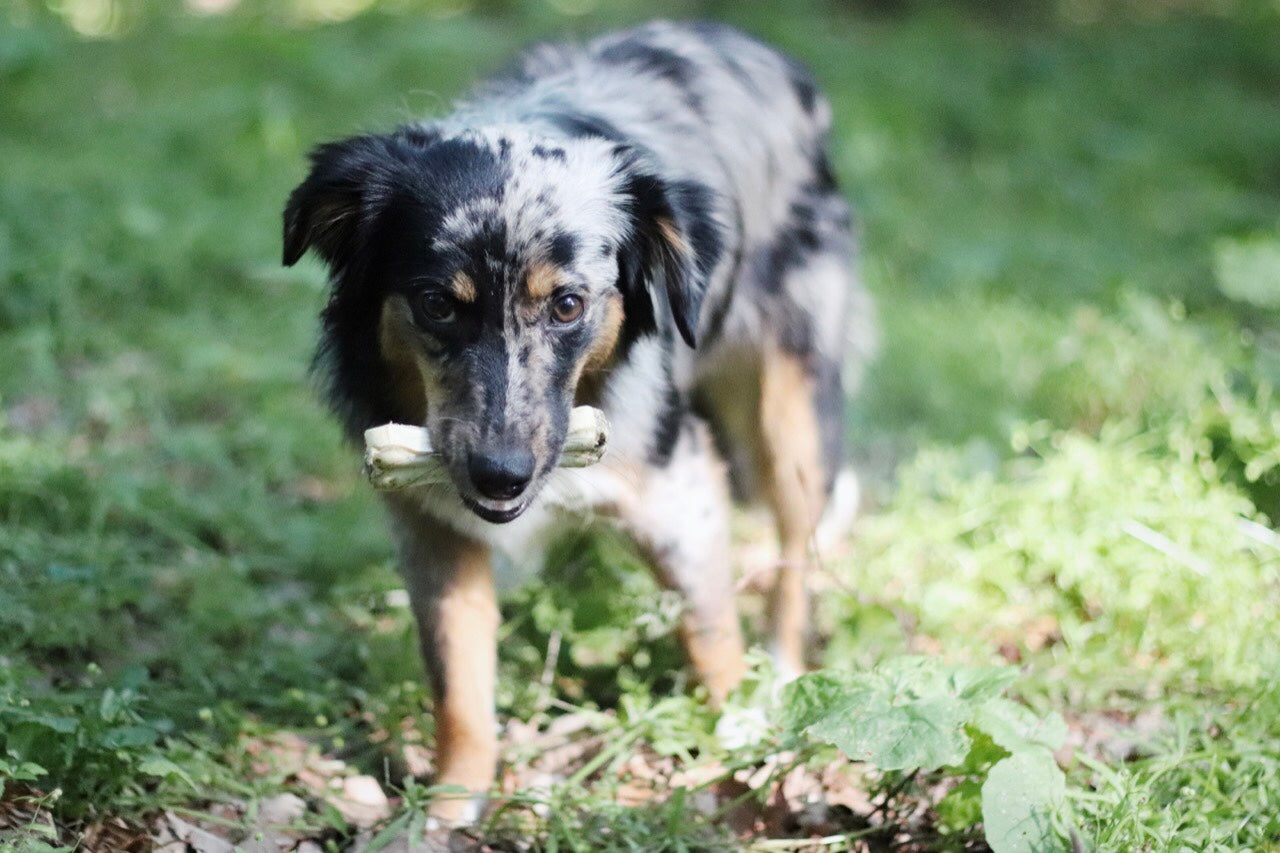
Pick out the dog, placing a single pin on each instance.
(648, 224)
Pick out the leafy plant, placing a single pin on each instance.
(1141, 561)
(913, 714)
(96, 742)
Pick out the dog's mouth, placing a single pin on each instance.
(498, 512)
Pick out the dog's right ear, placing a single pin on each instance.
(351, 182)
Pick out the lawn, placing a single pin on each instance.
(1056, 623)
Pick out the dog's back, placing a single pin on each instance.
(720, 109)
(710, 103)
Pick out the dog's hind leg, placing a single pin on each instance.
(450, 584)
(681, 522)
(792, 471)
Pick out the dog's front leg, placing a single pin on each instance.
(680, 519)
(450, 583)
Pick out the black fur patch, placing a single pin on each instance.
(487, 360)
(795, 243)
(803, 84)
(656, 62)
(638, 316)
(576, 124)
(564, 248)
(816, 220)
(549, 152)
(716, 314)
(666, 430)
(824, 178)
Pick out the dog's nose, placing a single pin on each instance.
(501, 474)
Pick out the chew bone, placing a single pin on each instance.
(397, 456)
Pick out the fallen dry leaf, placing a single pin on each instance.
(197, 840)
(115, 835)
(22, 815)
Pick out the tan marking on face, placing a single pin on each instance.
(463, 288)
(540, 442)
(606, 340)
(791, 469)
(671, 234)
(542, 280)
(589, 379)
(398, 343)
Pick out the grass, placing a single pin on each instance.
(1070, 434)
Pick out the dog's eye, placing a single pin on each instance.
(566, 308)
(437, 307)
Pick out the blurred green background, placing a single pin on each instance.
(1070, 216)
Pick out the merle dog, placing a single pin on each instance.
(647, 224)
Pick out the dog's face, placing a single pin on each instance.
(478, 278)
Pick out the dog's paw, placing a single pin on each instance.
(841, 512)
(454, 811)
(739, 728)
(785, 670)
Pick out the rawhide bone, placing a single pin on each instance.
(398, 456)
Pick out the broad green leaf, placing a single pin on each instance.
(163, 768)
(128, 737)
(903, 716)
(1249, 270)
(1018, 801)
(895, 733)
(29, 771)
(916, 675)
(1016, 727)
(982, 682)
(111, 705)
(55, 722)
(811, 697)
(911, 712)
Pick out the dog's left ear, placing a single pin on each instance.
(675, 243)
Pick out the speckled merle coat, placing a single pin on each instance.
(648, 224)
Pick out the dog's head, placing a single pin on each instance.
(482, 279)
